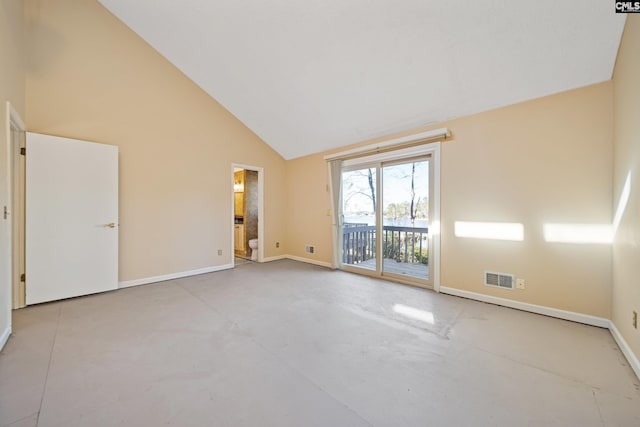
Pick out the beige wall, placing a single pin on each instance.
(12, 89)
(90, 77)
(308, 203)
(542, 161)
(626, 251)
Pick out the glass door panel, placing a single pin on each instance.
(405, 219)
(359, 198)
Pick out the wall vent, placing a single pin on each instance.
(310, 249)
(499, 280)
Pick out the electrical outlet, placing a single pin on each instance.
(219, 252)
(635, 319)
(277, 244)
(520, 284)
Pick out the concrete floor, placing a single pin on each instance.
(290, 344)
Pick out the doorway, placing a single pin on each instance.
(247, 214)
(64, 237)
(389, 216)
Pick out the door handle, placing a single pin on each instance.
(111, 225)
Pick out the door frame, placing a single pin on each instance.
(261, 242)
(433, 151)
(14, 191)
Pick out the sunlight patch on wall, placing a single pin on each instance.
(414, 313)
(490, 230)
(590, 233)
(622, 203)
(578, 233)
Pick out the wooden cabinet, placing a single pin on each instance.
(238, 204)
(238, 193)
(240, 213)
(238, 238)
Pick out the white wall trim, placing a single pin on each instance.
(5, 336)
(298, 258)
(12, 115)
(13, 167)
(164, 277)
(624, 347)
(309, 261)
(538, 309)
(434, 226)
(7, 276)
(417, 138)
(274, 258)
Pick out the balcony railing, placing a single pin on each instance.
(402, 244)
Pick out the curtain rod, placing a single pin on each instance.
(441, 134)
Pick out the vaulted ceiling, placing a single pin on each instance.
(307, 76)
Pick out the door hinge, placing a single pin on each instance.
(6, 213)
(23, 151)
(23, 277)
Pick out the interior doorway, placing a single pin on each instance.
(247, 214)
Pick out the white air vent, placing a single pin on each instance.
(499, 280)
(310, 249)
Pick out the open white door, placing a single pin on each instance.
(71, 218)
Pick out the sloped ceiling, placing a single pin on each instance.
(307, 76)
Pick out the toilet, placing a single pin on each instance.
(253, 244)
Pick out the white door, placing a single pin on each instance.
(71, 218)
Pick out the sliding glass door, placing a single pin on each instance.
(405, 219)
(385, 219)
(359, 211)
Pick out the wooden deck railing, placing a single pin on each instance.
(403, 244)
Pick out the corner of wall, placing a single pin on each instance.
(625, 294)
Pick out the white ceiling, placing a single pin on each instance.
(307, 76)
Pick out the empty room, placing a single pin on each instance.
(279, 213)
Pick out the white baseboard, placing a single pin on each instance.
(297, 258)
(309, 261)
(539, 309)
(274, 258)
(5, 336)
(164, 277)
(626, 350)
